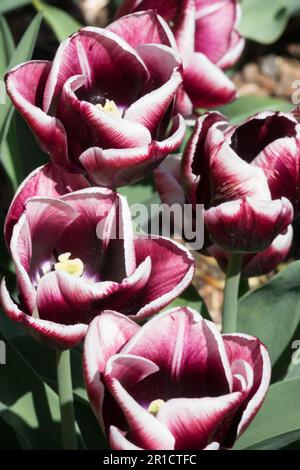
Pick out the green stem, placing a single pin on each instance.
(65, 391)
(231, 293)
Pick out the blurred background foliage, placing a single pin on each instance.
(29, 413)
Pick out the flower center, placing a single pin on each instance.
(109, 107)
(75, 267)
(155, 406)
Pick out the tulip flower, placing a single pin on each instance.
(76, 255)
(208, 41)
(103, 107)
(173, 384)
(241, 175)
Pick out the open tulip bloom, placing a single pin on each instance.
(208, 42)
(103, 106)
(76, 255)
(175, 383)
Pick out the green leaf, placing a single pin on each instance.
(245, 106)
(22, 53)
(277, 424)
(140, 192)
(7, 45)
(7, 5)
(272, 312)
(265, 21)
(62, 24)
(191, 298)
(27, 404)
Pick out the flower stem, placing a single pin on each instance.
(231, 293)
(65, 391)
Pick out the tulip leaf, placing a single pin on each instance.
(277, 424)
(22, 53)
(191, 298)
(7, 48)
(272, 312)
(27, 404)
(61, 23)
(7, 5)
(265, 21)
(245, 106)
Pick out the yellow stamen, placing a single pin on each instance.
(110, 107)
(155, 406)
(75, 267)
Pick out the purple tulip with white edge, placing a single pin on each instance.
(76, 255)
(102, 106)
(208, 42)
(246, 176)
(175, 383)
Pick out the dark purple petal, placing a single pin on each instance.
(248, 225)
(280, 161)
(194, 421)
(249, 350)
(106, 335)
(120, 167)
(197, 155)
(169, 340)
(48, 180)
(118, 441)
(55, 334)
(172, 270)
(143, 28)
(26, 95)
(206, 85)
(215, 22)
(163, 66)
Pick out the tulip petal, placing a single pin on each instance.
(47, 180)
(248, 225)
(145, 27)
(150, 109)
(65, 336)
(192, 421)
(184, 29)
(149, 433)
(267, 260)
(167, 181)
(280, 163)
(197, 154)
(247, 348)
(120, 167)
(26, 96)
(236, 48)
(118, 441)
(231, 177)
(99, 55)
(172, 270)
(215, 22)
(169, 341)
(206, 85)
(106, 335)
